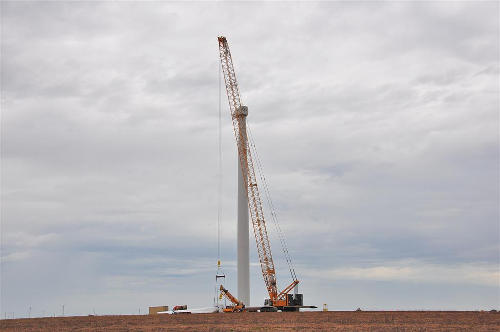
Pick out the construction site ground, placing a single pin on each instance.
(276, 321)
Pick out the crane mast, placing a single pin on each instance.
(238, 113)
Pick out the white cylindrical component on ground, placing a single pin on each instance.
(243, 264)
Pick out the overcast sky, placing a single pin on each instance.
(377, 125)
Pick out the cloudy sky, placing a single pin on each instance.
(376, 123)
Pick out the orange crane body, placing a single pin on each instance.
(237, 304)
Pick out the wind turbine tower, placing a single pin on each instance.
(243, 264)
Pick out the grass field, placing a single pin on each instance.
(254, 321)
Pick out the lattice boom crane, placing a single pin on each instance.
(238, 113)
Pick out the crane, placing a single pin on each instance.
(237, 304)
(281, 300)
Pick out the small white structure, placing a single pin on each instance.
(205, 310)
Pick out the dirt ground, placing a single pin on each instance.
(275, 321)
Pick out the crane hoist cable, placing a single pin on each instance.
(219, 275)
(219, 177)
(272, 210)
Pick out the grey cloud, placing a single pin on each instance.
(377, 125)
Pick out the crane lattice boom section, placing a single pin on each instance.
(230, 296)
(238, 114)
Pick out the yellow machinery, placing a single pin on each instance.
(237, 304)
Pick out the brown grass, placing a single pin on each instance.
(254, 321)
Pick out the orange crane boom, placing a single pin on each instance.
(238, 113)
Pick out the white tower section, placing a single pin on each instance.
(243, 264)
